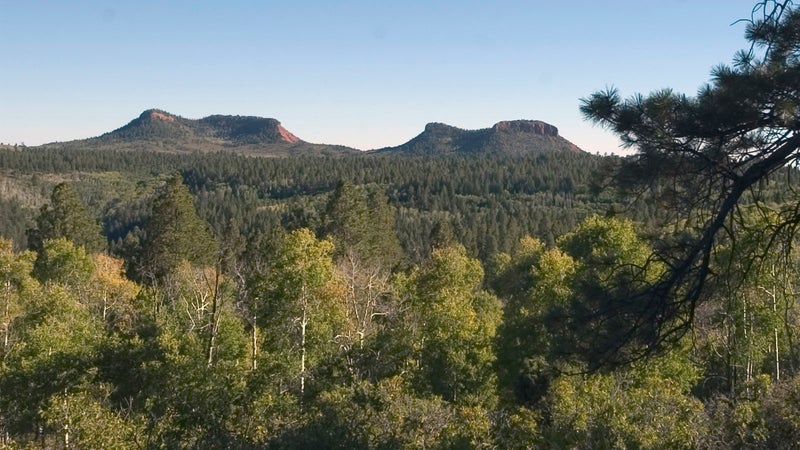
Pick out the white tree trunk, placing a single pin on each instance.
(303, 324)
(255, 344)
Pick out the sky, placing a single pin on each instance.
(366, 74)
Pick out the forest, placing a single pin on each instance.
(219, 301)
(545, 299)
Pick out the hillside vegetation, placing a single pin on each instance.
(213, 300)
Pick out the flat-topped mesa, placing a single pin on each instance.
(511, 137)
(160, 131)
(526, 126)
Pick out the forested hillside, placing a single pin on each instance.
(516, 137)
(373, 301)
(488, 201)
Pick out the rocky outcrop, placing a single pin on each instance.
(286, 136)
(526, 126)
(513, 137)
(235, 130)
(154, 114)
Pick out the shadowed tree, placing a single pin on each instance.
(550, 323)
(347, 218)
(61, 261)
(15, 283)
(704, 156)
(66, 217)
(61, 339)
(175, 233)
(360, 221)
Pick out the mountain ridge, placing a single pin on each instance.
(238, 129)
(511, 137)
(161, 131)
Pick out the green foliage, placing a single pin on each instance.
(389, 415)
(767, 419)
(591, 319)
(346, 218)
(457, 326)
(66, 217)
(601, 243)
(490, 201)
(175, 233)
(280, 359)
(781, 414)
(301, 306)
(83, 421)
(58, 341)
(193, 404)
(363, 223)
(517, 428)
(636, 408)
(558, 312)
(522, 336)
(704, 157)
(15, 276)
(300, 342)
(15, 221)
(61, 261)
(745, 328)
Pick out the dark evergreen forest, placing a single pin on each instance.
(488, 201)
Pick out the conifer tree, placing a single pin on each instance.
(714, 151)
(347, 217)
(175, 233)
(66, 217)
(361, 221)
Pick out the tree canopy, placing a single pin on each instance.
(175, 232)
(66, 217)
(707, 155)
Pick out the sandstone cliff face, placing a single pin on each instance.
(286, 136)
(154, 114)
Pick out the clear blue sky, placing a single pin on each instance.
(366, 74)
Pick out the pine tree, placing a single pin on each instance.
(347, 218)
(714, 152)
(361, 222)
(66, 217)
(175, 233)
